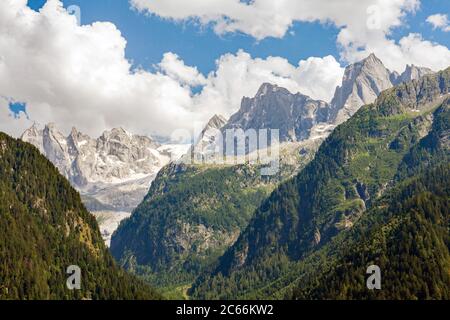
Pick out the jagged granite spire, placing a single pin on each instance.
(206, 141)
(411, 72)
(216, 122)
(362, 83)
(274, 107)
(33, 135)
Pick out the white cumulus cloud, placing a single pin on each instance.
(439, 21)
(239, 75)
(365, 25)
(79, 76)
(175, 68)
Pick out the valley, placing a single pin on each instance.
(292, 153)
(197, 229)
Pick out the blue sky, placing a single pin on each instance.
(71, 72)
(17, 107)
(149, 37)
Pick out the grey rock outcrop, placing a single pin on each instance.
(411, 72)
(362, 83)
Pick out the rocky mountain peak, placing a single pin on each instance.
(362, 83)
(118, 134)
(34, 128)
(369, 65)
(74, 132)
(51, 130)
(33, 131)
(206, 141)
(56, 148)
(411, 72)
(415, 96)
(50, 126)
(116, 169)
(416, 71)
(297, 116)
(269, 88)
(33, 136)
(275, 107)
(216, 122)
(371, 59)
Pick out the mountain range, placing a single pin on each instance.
(112, 173)
(363, 82)
(376, 193)
(163, 240)
(299, 117)
(357, 175)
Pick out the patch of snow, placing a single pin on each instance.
(154, 152)
(108, 222)
(176, 151)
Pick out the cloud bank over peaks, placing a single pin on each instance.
(238, 75)
(79, 76)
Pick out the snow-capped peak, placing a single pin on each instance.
(116, 158)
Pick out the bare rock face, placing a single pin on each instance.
(216, 122)
(299, 117)
(411, 72)
(186, 238)
(206, 141)
(34, 136)
(363, 82)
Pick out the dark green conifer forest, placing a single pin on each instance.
(44, 228)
